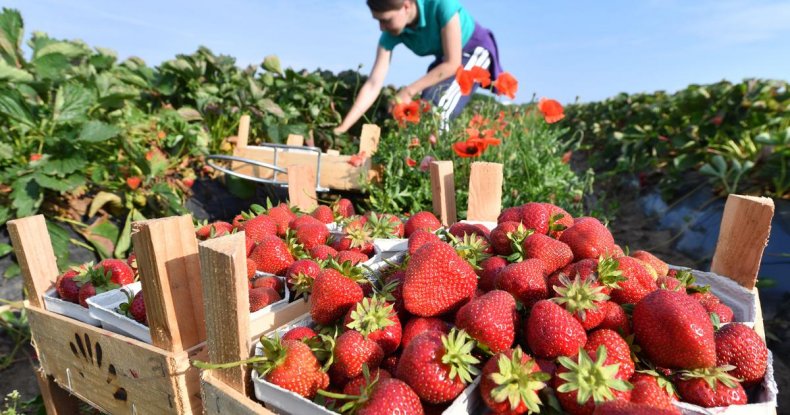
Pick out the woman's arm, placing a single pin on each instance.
(451, 44)
(370, 90)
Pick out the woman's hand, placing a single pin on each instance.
(404, 95)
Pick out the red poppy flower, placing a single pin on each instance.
(470, 148)
(481, 76)
(486, 137)
(478, 121)
(133, 182)
(404, 112)
(410, 162)
(357, 159)
(35, 156)
(426, 106)
(465, 80)
(506, 84)
(551, 110)
(566, 158)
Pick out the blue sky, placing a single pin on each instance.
(558, 49)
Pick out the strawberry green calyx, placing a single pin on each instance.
(371, 314)
(579, 295)
(471, 248)
(381, 226)
(712, 376)
(360, 236)
(348, 269)
(517, 382)
(663, 381)
(591, 379)
(99, 277)
(608, 273)
(555, 225)
(294, 247)
(517, 242)
(458, 346)
(302, 284)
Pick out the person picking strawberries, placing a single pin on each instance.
(442, 28)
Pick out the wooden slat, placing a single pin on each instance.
(34, 253)
(223, 264)
(244, 132)
(485, 192)
(295, 140)
(443, 189)
(220, 399)
(167, 259)
(57, 401)
(332, 152)
(115, 373)
(369, 139)
(271, 321)
(743, 237)
(301, 187)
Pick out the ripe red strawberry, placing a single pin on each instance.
(312, 235)
(511, 214)
(615, 319)
(249, 245)
(559, 220)
(648, 391)
(581, 383)
(356, 238)
(323, 213)
(389, 396)
(438, 367)
(131, 261)
(674, 331)
(535, 216)
(353, 257)
(343, 208)
(723, 312)
(490, 319)
(588, 238)
(291, 365)
(553, 253)
(525, 281)
(352, 350)
(134, 307)
(617, 350)
(740, 346)
(584, 299)
(117, 270)
(704, 297)
(300, 276)
(637, 283)
(551, 331)
(272, 255)
(622, 407)
(377, 321)
(281, 215)
(507, 235)
(260, 227)
(252, 268)
(709, 388)
(424, 220)
(658, 265)
(437, 281)
(510, 383)
(489, 273)
(419, 325)
(393, 292)
(303, 220)
(274, 283)
(419, 238)
(390, 363)
(357, 385)
(87, 290)
(262, 297)
(322, 252)
(333, 295)
(460, 229)
(300, 333)
(213, 230)
(67, 286)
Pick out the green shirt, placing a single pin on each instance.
(425, 38)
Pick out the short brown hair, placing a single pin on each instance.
(385, 5)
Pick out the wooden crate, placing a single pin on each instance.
(336, 171)
(112, 372)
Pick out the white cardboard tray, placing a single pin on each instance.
(57, 305)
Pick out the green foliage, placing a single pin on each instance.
(738, 134)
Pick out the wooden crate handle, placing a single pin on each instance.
(485, 191)
(443, 189)
(369, 139)
(167, 259)
(743, 236)
(301, 187)
(33, 249)
(223, 265)
(244, 132)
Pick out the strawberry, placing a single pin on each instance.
(581, 383)
(637, 283)
(584, 299)
(621, 407)
(353, 257)
(131, 261)
(343, 208)
(300, 333)
(262, 297)
(352, 350)
(322, 252)
(617, 350)
(323, 213)
(393, 292)
(511, 214)
(525, 281)
(272, 255)
(648, 391)
(615, 319)
(508, 235)
(252, 268)
(460, 229)
(378, 394)
(357, 385)
(377, 321)
(536, 216)
(419, 325)
(300, 276)
(722, 311)
(134, 307)
(510, 383)
(390, 363)
(490, 319)
(274, 283)
(356, 237)
(87, 290)
(710, 387)
(588, 238)
(384, 226)
(249, 245)
(303, 220)
(118, 271)
(333, 295)
(259, 227)
(437, 281)
(559, 220)
(281, 215)
(551, 331)
(437, 366)
(658, 265)
(424, 220)
(553, 253)
(489, 272)
(419, 238)
(674, 331)
(291, 365)
(213, 230)
(740, 346)
(67, 286)
(311, 235)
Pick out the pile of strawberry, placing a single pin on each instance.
(79, 283)
(546, 308)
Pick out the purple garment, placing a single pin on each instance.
(480, 37)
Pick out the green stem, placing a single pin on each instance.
(207, 365)
(337, 395)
